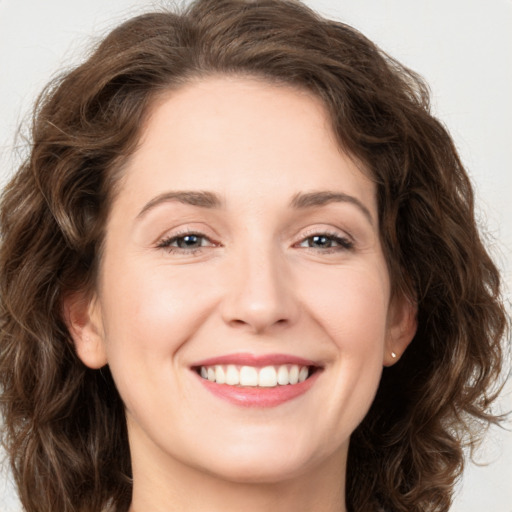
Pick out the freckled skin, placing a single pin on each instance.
(254, 279)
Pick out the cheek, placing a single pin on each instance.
(150, 313)
(352, 305)
(165, 308)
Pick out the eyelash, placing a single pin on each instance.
(342, 243)
(166, 243)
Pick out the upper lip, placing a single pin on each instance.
(247, 359)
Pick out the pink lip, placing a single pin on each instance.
(246, 359)
(256, 396)
(259, 397)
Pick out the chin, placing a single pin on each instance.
(260, 462)
(250, 471)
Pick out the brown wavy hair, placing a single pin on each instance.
(64, 424)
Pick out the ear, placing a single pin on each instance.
(402, 325)
(82, 316)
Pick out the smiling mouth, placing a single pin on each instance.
(255, 377)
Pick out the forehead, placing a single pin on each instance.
(228, 133)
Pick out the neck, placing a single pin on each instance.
(214, 496)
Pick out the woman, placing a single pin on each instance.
(231, 220)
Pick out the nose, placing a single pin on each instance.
(260, 293)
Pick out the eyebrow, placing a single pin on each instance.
(205, 199)
(322, 198)
(193, 198)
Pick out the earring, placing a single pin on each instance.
(393, 355)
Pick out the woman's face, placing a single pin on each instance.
(243, 244)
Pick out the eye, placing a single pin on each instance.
(328, 242)
(185, 242)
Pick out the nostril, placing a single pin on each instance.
(258, 324)
(238, 322)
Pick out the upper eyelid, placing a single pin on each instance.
(178, 232)
(176, 236)
(342, 242)
(166, 243)
(329, 231)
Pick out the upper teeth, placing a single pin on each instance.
(268, 376)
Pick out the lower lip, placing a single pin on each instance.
(259, 396)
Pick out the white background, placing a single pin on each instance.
(462, 47)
